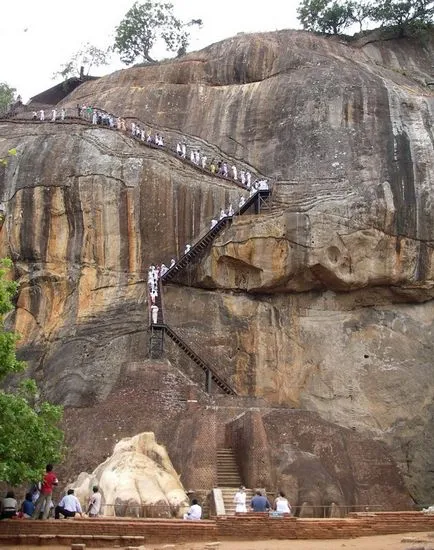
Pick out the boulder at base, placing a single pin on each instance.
(138, 479)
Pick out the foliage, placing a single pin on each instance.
(29, 433)
(11, 153)
(7, 96)
(326, 16)
(143, 24)
(87, 56)
(360, 11)
(403, 14)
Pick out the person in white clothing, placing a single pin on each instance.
(154, 313)
(53, 115)
(187, 248)
(213, 223)
(62, 114)
(184, 150)
(241, 203)
(195, 511)
(42, 115)
(94, 503)
(203, 160)
(281, 504)
(222, 214)
(163, 269)
(240, 500)
(230, 210)
(178, 149)
(234, 172)
(248, 179)
(172, 262)
(243, 177)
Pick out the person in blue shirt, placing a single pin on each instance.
(27, 507)
(260, 503)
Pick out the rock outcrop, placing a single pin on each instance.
(323, 303)
(137, 480)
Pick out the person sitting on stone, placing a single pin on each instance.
(28, 507)
(187, 248)
(281, 504)
(68, 506)
(194, 512)
(260, 503)
(172, 262)
(163, 269)
(214, 222)
(8, 506)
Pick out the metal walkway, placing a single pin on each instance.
(211, 376)
(258, 200)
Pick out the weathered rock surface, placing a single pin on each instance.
(324, 302)
(137, 480)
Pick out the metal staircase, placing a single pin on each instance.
(257, 200)
(211, 376)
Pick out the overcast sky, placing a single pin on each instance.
(38, 36)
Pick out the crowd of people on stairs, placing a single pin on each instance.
(155, 272)
(218, 167)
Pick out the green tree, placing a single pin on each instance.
(360, 11)
(87, 56)
(143, 24)
(29, 433)
(403, 14)
(324, 16)
(7, 97)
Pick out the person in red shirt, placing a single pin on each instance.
(44, 502)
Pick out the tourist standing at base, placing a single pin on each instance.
(43, 504)
(240, 500)
(94, 503)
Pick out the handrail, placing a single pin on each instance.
(197, 359)
(171, 151)
(213, 230)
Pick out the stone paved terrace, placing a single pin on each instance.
(125, 532)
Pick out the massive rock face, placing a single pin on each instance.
(323, 302)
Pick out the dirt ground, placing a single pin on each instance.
(403, 541)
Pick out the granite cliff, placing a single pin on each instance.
(322, 303)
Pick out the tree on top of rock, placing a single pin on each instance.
(144, 24)
(29, 433)
(332, 17)
(324, 16)
(85, 58)
(403, 15)
(7, 97)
